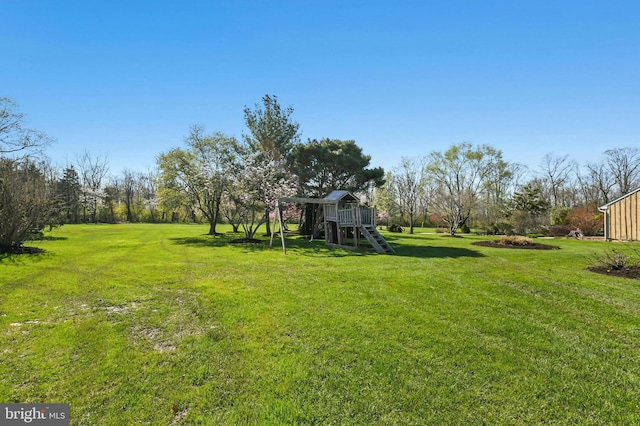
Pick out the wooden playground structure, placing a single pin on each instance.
(346, 223)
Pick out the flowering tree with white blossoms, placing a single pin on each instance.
(261, 183)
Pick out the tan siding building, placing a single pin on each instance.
(621, 218)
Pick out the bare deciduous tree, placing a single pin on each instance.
(596, 184)
(93, 170)
(624, 166)
(148, 186)
(15, 137)
(555, 172)
(410, 181)
(129, 186)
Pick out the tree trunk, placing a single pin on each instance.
(317, 229)
(266, 219)
(129, 213)
(94, 213)
(411, 222)
(212, 224)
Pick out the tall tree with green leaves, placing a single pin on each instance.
(272, 130)
(69, 192)
(272, 134)
(329, 164)
(528, 206)
(201, 173)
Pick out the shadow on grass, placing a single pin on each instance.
(50, 238)
(224, 240)
(436, 252)
(295, 245)
(203, 241)
(30, 254)
(422, 237)
(317, 248)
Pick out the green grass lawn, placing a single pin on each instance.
(159, 324)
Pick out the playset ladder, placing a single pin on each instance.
(376, 239)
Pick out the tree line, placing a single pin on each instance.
(212, 177)
(217, 178)
(473, 186)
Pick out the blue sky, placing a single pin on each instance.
(404, 78)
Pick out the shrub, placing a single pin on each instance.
(501, 228)
(559, 230)
(588, 220)
(394, 228)
(464, 229)
(514, 240)
(559, 215)
(26, 205)
(615, 260)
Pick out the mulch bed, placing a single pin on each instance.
(530, 246)
(633, 273)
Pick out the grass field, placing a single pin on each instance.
(160, 325)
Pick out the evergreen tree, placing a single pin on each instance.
(69, 192)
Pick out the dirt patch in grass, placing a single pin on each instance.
(164, 347)
(529, 246)
(156, 337)
(632, 273)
